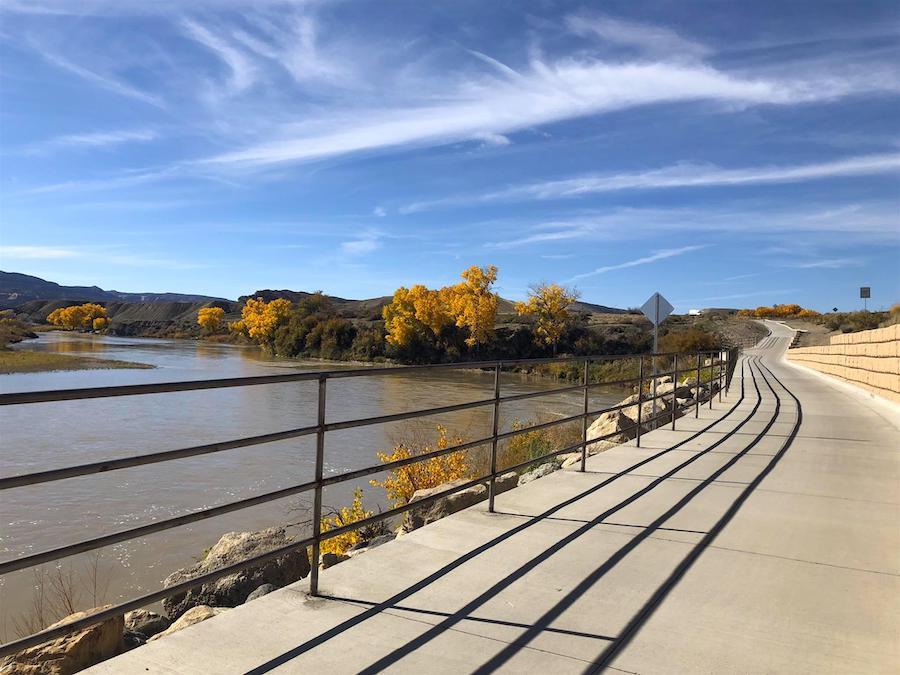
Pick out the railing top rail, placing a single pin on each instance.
(46, 396)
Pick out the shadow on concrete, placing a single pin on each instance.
(542, 624)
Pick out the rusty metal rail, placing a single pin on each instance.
(719, 365)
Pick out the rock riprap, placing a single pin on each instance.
(146, 622)
(455, 502)
(232, 589)
(72, 652)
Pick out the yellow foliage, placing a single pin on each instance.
(259, 318)
(210, 318)
(549, 304)
(77, 316)
(402, 482)
(780, 311)
(469, 304)
(349, 514)
(473, 304)
(100, 323)
(400, 318)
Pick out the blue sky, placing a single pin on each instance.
(723, 153)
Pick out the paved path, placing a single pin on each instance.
(762, 537)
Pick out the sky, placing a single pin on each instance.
(726, 154)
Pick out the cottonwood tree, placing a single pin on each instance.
(210, 318)
(549, 305)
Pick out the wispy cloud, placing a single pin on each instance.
(107, 82)
(646, 260)
(242, 70)
(649, 39)
(685, 175)
(366, 242)
(37, 252)
(98, 139)
(824, 263)
(489, 105)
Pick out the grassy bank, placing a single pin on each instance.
(14, 361)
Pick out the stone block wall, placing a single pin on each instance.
(869, 359)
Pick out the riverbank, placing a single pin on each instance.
(23, 361)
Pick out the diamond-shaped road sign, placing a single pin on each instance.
(657, 309)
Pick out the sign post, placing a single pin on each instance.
(865, 292)
(657, 309)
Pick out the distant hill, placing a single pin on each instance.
(17, 289)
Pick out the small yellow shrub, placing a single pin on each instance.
(345, 516)
(401, 483)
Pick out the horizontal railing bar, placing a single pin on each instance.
(169, 455)
(412, 414)
(144, 530)
(151, 458)
(538, 394)
(174, 589)
(397, 463)
(46, 396)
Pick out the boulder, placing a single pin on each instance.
(231, 590)
(681, 390)
(615, 422)
(456, 502)
(146, 622)
(189, 618)
(332, 559)
(265, 589)
(539, 472)
(72, 652)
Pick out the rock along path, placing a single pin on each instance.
(761, 537)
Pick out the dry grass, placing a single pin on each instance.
(21, 361)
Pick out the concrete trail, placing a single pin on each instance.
(761, 537)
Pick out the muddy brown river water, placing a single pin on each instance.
(43, 436)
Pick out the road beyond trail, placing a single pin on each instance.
(762, 537)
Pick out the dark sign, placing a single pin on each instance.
(865, 292)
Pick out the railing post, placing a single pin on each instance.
(711, 395)
(674, 389)
(640, 393)
(697, 389)
(721, 371)
(317, 500)
(496, 427)
(584, 417)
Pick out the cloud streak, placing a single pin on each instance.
(646, 260)
(99, 139)
(685, 175)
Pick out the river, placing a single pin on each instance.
(43, 436)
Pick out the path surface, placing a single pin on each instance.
(762, 537)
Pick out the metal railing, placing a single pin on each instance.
(717, 365)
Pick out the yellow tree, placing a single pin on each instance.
(473, 304)
(549, 305)
(210, 318)
(259, 319)
(400, 318)
(77, 316)
(101, 323)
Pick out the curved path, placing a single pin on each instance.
(761, 537)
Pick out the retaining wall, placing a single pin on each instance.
(869, 359)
